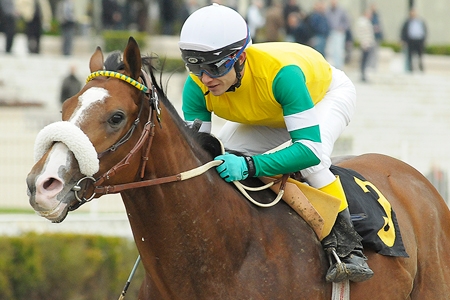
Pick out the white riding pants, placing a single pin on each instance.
(334, 112)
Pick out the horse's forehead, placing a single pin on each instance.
(86, 102)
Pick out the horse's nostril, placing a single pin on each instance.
(51, 184)
(48, 183)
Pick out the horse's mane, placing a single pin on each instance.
(114, 62)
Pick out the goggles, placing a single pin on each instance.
(219, 68)
(213, 70)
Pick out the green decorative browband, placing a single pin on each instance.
(120, 76)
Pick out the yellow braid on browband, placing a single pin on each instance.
(120, 76)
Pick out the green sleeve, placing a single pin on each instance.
(289, 89)
(193, 103)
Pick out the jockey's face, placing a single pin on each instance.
(218, 86)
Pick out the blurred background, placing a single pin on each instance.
(403, 107)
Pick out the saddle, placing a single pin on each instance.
(317, 208)
(372, 214)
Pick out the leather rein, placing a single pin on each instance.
(146, 139)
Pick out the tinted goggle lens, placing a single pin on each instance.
(213, 70)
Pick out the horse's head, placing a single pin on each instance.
(97, 135)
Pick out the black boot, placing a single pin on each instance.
(344, 249)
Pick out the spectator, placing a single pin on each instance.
(255, 18)
(140, 15)
(187, 8)
(111, 15)
(378, 31)
(290, 7)
(9, 15)
(67, 20)
(37, 15)
(70, 85)
(348, 45)
(168, 16)
(414, 34)
(339, 25)
(192, 5)
(319, 25)
(299, 28)
(183, 11)
(365, 36)
(274, 22)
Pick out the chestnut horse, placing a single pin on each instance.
(200, 238)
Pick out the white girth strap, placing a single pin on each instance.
(341, 290)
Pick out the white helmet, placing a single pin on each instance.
(212, 33)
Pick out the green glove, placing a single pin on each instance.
(233, 167)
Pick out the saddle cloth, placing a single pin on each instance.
(372, 215)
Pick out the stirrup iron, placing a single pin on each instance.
(341, 273)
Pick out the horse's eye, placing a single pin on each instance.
(116, 119)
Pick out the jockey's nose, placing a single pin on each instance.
(206, 78)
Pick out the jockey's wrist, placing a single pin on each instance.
(250, 166)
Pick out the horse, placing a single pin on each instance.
(197, 236)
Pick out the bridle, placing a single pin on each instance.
(146, 140)
(125, 137)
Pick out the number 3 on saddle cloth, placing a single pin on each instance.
(372, 214)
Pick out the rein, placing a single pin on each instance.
(147, 137)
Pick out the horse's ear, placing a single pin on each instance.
(132, 59)
(96, 62)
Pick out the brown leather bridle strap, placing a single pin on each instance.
(178, 177)
(111, 189)
(147, 151)
(147, 135)
(149, 128)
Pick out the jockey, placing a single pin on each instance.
(271, 94)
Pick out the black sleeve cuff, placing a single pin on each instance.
(250, 166)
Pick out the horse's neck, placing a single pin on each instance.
(188, 216)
